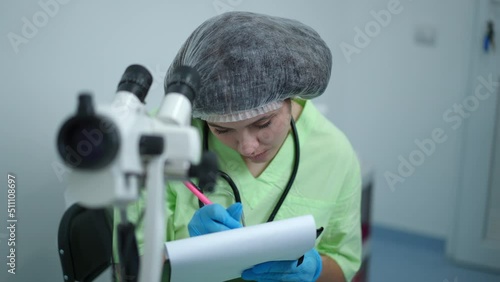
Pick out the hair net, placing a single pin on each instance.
(250, 62)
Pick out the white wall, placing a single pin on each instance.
(391, 93)
(398, 91)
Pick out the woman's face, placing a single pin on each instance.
(257, 139)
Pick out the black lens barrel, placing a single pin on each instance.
(87, 140)
(184, 80)
(137, 80)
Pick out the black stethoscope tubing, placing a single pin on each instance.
(289, 184)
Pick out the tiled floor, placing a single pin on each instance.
(404, 257)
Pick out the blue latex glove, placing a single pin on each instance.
(308, 270)
(214, 218)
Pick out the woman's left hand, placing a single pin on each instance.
(308, 270)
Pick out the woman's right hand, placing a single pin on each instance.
(215, 218)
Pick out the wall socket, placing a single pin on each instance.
(425, 35)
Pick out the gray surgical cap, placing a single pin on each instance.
(249, 63)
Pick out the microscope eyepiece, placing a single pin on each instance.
(87, 140)
(184, 80)
(137, 80)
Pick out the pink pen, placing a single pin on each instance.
(197, 193)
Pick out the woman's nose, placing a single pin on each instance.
(248, 144)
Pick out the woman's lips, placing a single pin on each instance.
(258, 157)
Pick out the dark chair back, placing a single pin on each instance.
(85, 242)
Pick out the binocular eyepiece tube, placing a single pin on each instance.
(90, 140)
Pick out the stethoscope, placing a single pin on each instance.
(231, 183)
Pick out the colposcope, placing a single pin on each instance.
(115, 150)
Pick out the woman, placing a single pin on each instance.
(257, 73)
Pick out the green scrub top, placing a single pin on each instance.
(327, 186)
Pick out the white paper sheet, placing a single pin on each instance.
(224, 255)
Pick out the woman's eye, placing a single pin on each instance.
(221, 131)
(264, 125)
